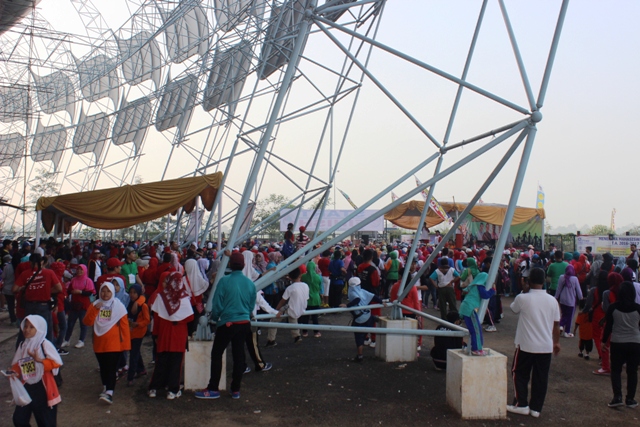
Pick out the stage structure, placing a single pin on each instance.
(264, 91)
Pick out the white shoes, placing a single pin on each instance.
(490, 328)
(151, 393)
(373, 344)
(534, 414)
(171, 396)
(64, 344)
(80, 344)
(367, 341)
(519, 410)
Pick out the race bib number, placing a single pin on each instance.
(132, 279)
(105, 315)
(27, 368)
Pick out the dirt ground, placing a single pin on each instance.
(315, 383)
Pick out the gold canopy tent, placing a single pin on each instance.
(122, 207)
(407, 215)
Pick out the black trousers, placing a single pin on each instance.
(534, 366)
(236, 335)
(586, 345)
(167, 371)
(11, 306)
(622, 353)
(45, 416)
(251, 339)
(335, 295)
(312, 317)
(108, 368)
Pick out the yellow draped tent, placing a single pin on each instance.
(122, 207)
(407, 215)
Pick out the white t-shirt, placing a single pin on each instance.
(538, 311)
(297, 295)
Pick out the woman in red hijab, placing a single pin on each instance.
(172, 308)
(150, 277)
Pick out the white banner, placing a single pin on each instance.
(618, 246)
(330, 218)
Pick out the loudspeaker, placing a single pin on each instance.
(365, 239)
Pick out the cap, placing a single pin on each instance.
(236, 261)
(26, 244)
(114, 262)
(128, 250)
(354, 281)
(302, 228)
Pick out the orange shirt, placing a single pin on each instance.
(142, 320)
(117, 339)
(585, 327)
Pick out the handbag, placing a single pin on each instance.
(20, 394)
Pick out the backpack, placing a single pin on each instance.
(287, 249)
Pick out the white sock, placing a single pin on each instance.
(110, 392)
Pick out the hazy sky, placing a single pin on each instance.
(585, 154)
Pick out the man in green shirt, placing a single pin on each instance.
(130, 268)
(555, 270)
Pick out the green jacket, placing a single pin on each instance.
(234, 299)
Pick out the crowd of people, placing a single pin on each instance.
(127, 291)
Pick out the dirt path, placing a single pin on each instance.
(315, 383)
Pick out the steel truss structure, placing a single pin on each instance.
(264, 90)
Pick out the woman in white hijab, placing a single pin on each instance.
(249, 270)
(111, 336)
(35, 362)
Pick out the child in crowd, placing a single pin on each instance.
(173, 311)
(111, 336)
(586, 331)
(361, 318)
(35, 363)
(139, 319)
(442, 344)
(476, 292)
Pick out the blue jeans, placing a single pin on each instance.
(73, 317)
(136, 365)
(62, 328)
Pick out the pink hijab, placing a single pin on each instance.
(82, 283)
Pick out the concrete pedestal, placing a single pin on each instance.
(397, 348)
(197, 366)
(476, 385)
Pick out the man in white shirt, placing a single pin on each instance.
(537, 337)
(293, 303)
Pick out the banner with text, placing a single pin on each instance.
(618, 245)
(330, 218)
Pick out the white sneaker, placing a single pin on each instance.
(151, 393)
(367, 341)
(534, 414)
(80, 344)
(64, 344)
(518, 410)
(373, 344)
(490, 328)
(171, 396)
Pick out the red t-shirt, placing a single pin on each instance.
(108, 277)
(40, 287)
(411, 300)
(323, 265)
